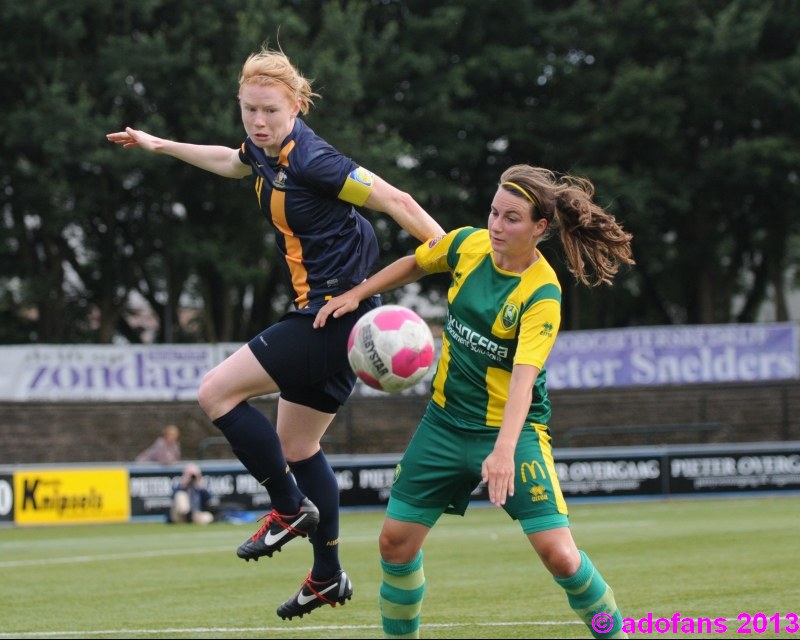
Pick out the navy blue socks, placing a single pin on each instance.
(316, 479)
(255, 442)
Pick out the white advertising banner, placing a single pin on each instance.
(110, 372)
(580, 360)
(674, 355)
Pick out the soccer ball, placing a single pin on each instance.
(390, 348)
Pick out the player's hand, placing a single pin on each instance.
(336, 307)
(497, 471)
(134, 138)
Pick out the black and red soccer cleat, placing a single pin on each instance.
(278, 529)
(312, 595)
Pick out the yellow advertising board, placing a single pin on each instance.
(64, 496)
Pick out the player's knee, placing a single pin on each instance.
(298, 451)
(206, 396)
(395, 548)
(203, 395)
(560, 561)
(387, 546)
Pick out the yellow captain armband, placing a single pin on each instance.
(357, 187)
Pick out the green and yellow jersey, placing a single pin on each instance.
(495, 319)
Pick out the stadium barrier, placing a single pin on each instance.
(82, 493)
(648, 432)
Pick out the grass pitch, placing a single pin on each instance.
(709, 558)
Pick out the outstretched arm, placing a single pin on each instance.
(223, 161)
(403, 209)
(402, 271)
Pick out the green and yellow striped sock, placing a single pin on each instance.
(401, 595)
(593, 600)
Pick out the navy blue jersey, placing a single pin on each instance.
(307, 193)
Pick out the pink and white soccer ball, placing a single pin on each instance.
(390, 348)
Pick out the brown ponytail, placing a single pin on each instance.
(588, 232)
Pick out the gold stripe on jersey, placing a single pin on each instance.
(294, 249)
(547, 454)
(441, 373)
(357, 186)
(497, 384)
(259, 188)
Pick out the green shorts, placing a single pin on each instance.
(441, 468)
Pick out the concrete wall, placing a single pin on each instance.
(112, 432)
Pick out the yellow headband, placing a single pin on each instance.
(524, 193)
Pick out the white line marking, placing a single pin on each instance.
(128, 633)
(106, 557)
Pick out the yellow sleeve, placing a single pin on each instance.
(357, 186)
(537, 333)
(432, 254)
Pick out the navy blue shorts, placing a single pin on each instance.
(310, 365)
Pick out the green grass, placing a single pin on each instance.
(713, 558)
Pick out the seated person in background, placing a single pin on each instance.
(166, 449)
(191, 500)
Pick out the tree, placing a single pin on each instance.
(684, 114)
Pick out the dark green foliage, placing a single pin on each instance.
(686, 115)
